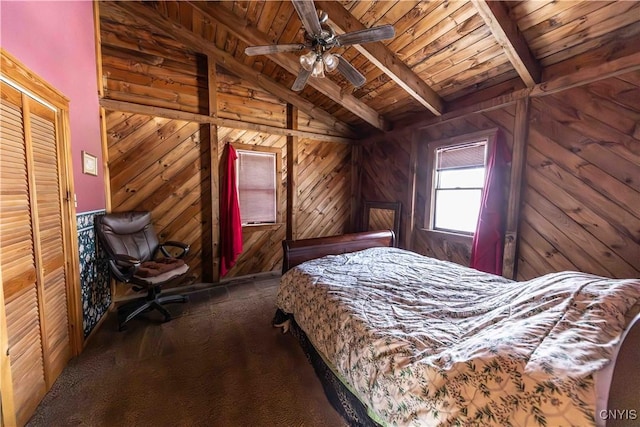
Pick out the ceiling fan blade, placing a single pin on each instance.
(350, 73)
(366, 36)
(301, 80)
(274, 48)
(308, 15)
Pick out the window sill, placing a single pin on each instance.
(262, 227)
(448, 235)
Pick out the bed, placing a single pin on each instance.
(402, 339)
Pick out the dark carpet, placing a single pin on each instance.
(219, 362)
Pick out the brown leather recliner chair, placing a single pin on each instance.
(137, 257)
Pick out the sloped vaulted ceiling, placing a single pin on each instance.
(445, 54)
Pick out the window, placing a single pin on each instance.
(457, 183)
(256, 177)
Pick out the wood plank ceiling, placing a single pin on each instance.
(445, 54)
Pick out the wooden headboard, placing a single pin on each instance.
(299, 251)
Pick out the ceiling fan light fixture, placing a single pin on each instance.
(330, 61)
(319, 38)
(308, 60)
(318, 68)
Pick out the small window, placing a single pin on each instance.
(257, 190)
(458, 182)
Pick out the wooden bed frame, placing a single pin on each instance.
(299, 251)
(624, 375)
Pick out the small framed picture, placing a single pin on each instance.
(89, 164)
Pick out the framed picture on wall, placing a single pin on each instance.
(89, 164)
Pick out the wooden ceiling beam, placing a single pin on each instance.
(130, 107)
(616, 67)
(382, 57)
(154, 19)
(250, 35)
(506, 32)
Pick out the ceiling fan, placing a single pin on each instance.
(320, 38)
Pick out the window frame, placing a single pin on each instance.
(278, 177)
(489, 136)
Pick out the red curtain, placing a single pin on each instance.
(230, 222)
(486, 251)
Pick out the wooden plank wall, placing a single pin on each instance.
(158, 164)
(239, 100)
(580, 205)
(324, 189)
(385, 177)
(324, 175)
(262, 247)
(443, 245)
(163, 164)
(148, 68)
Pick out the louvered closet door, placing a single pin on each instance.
(50, 245)
(31, 249)
(18, 261)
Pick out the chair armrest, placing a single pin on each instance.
(185, 248)
(124, 266)
(127, 261)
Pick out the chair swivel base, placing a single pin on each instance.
(130, 310)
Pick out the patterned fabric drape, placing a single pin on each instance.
(488, 240)
(230, 222)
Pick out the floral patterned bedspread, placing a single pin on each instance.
(429, 342)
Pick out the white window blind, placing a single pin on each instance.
(461, 156)
(256, 180)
